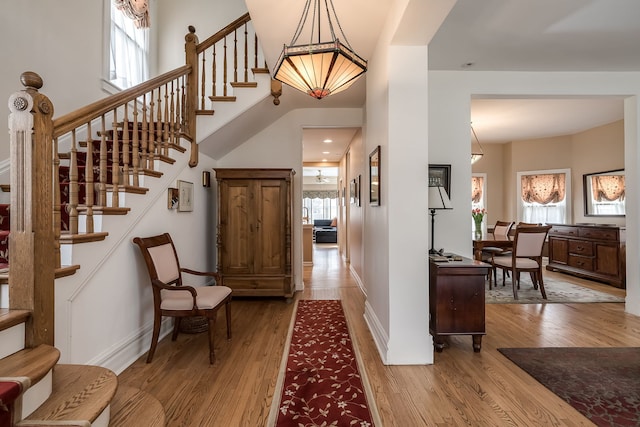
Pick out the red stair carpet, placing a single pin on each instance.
(320, 383)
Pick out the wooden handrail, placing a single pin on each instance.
(70, 121)
(223, 32)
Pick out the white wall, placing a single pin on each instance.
(62, 42)
(174, 17)
(396, 268)
(449, 112)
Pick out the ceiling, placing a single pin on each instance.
(489, 35)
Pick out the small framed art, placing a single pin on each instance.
(185, 196)
(440, 176)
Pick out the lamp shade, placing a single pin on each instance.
(438, 198)
(320, 69)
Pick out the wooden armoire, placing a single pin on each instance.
(254, 231)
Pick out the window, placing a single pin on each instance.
(128, 51)
(320, 204)
(544, 195)
(478, 193)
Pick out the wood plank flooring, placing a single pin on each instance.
(461, 388)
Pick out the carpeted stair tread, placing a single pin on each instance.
(80, 393)
(132, 406)
(31, 363)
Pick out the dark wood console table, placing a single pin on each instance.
(456, 300)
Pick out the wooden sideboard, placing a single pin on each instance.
(456, 300)
(591, 251)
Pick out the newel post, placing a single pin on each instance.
(31, 240)
(191, 103)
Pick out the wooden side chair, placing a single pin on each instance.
(501, 228)
(173, 298)
(525, 256)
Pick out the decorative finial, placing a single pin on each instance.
(29, 79)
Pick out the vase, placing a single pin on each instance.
(478, 227)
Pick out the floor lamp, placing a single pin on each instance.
(438, 199)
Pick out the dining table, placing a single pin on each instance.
(486, 240)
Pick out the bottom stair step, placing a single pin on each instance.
(81, 396)
(134, 407)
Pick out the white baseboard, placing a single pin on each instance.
(378, 333)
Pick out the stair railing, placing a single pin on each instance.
(125, 135)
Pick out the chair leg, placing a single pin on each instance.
(212, 333)
(515, 282)
(157, 318)
(541, 283)
(176, 328)
(227, 309)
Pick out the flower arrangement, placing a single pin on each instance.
(478, 214)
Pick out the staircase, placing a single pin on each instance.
(102, 153)
(37, 391)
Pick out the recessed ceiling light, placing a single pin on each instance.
(324, 160)
(325, 152)
(328, 141)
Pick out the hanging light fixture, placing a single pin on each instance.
(320, 67)
(476, 150)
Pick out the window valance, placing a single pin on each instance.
(320, 194)
(544, 189)
(608, 187)
(137, 10)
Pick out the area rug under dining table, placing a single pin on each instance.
(558, 291)
(602, 383)
(321, 382)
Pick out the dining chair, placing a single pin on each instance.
(501, 228)
(173, 298)
(526, 256)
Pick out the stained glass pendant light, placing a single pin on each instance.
(321, 67)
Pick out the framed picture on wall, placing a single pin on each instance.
(374, 177)
(440, 175)
(185, 196)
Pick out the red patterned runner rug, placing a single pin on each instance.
(320, 383)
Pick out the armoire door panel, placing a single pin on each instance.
(270, 260)
(236, 238)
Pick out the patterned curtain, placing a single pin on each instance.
(608, 187)
(544, 189)
(477, 183)
(137, 10)
(320, 194)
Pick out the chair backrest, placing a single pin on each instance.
(502, 228)
(528, 224)
(161, 258)
(529, 241)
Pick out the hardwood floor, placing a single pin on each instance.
(461, 388)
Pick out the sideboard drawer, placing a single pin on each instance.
(564, 231)
(579, 247)
(581, 262)
(598, 233)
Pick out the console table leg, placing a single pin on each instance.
(477, 343)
